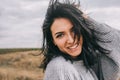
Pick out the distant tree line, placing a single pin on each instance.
(10, 50)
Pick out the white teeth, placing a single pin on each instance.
(72, 47)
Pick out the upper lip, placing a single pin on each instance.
(73, 46)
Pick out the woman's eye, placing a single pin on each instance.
(60, 35)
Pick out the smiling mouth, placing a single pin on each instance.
(73, 47)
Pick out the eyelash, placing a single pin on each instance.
(59, 35)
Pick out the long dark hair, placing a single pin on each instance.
(91, 51)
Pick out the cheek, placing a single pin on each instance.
(60, 43)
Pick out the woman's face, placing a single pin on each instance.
(63, 37)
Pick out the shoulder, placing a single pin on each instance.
(60, 69)
(59, 63)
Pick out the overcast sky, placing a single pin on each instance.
(21, 20)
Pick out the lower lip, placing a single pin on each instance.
(73, 49)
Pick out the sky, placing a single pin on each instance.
(21, 20)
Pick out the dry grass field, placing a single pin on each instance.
(22, 65)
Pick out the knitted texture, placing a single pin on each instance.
(61, 69)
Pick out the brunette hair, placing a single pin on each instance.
(91, 51)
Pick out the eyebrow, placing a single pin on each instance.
(69, 29)
(63, 31)
(58, 33)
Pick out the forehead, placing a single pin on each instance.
(61, 24)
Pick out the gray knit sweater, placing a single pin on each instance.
(61, 69)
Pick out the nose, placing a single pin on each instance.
(70, 39)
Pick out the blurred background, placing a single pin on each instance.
(21, 35)
(21, 20)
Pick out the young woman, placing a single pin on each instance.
(75, 47)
